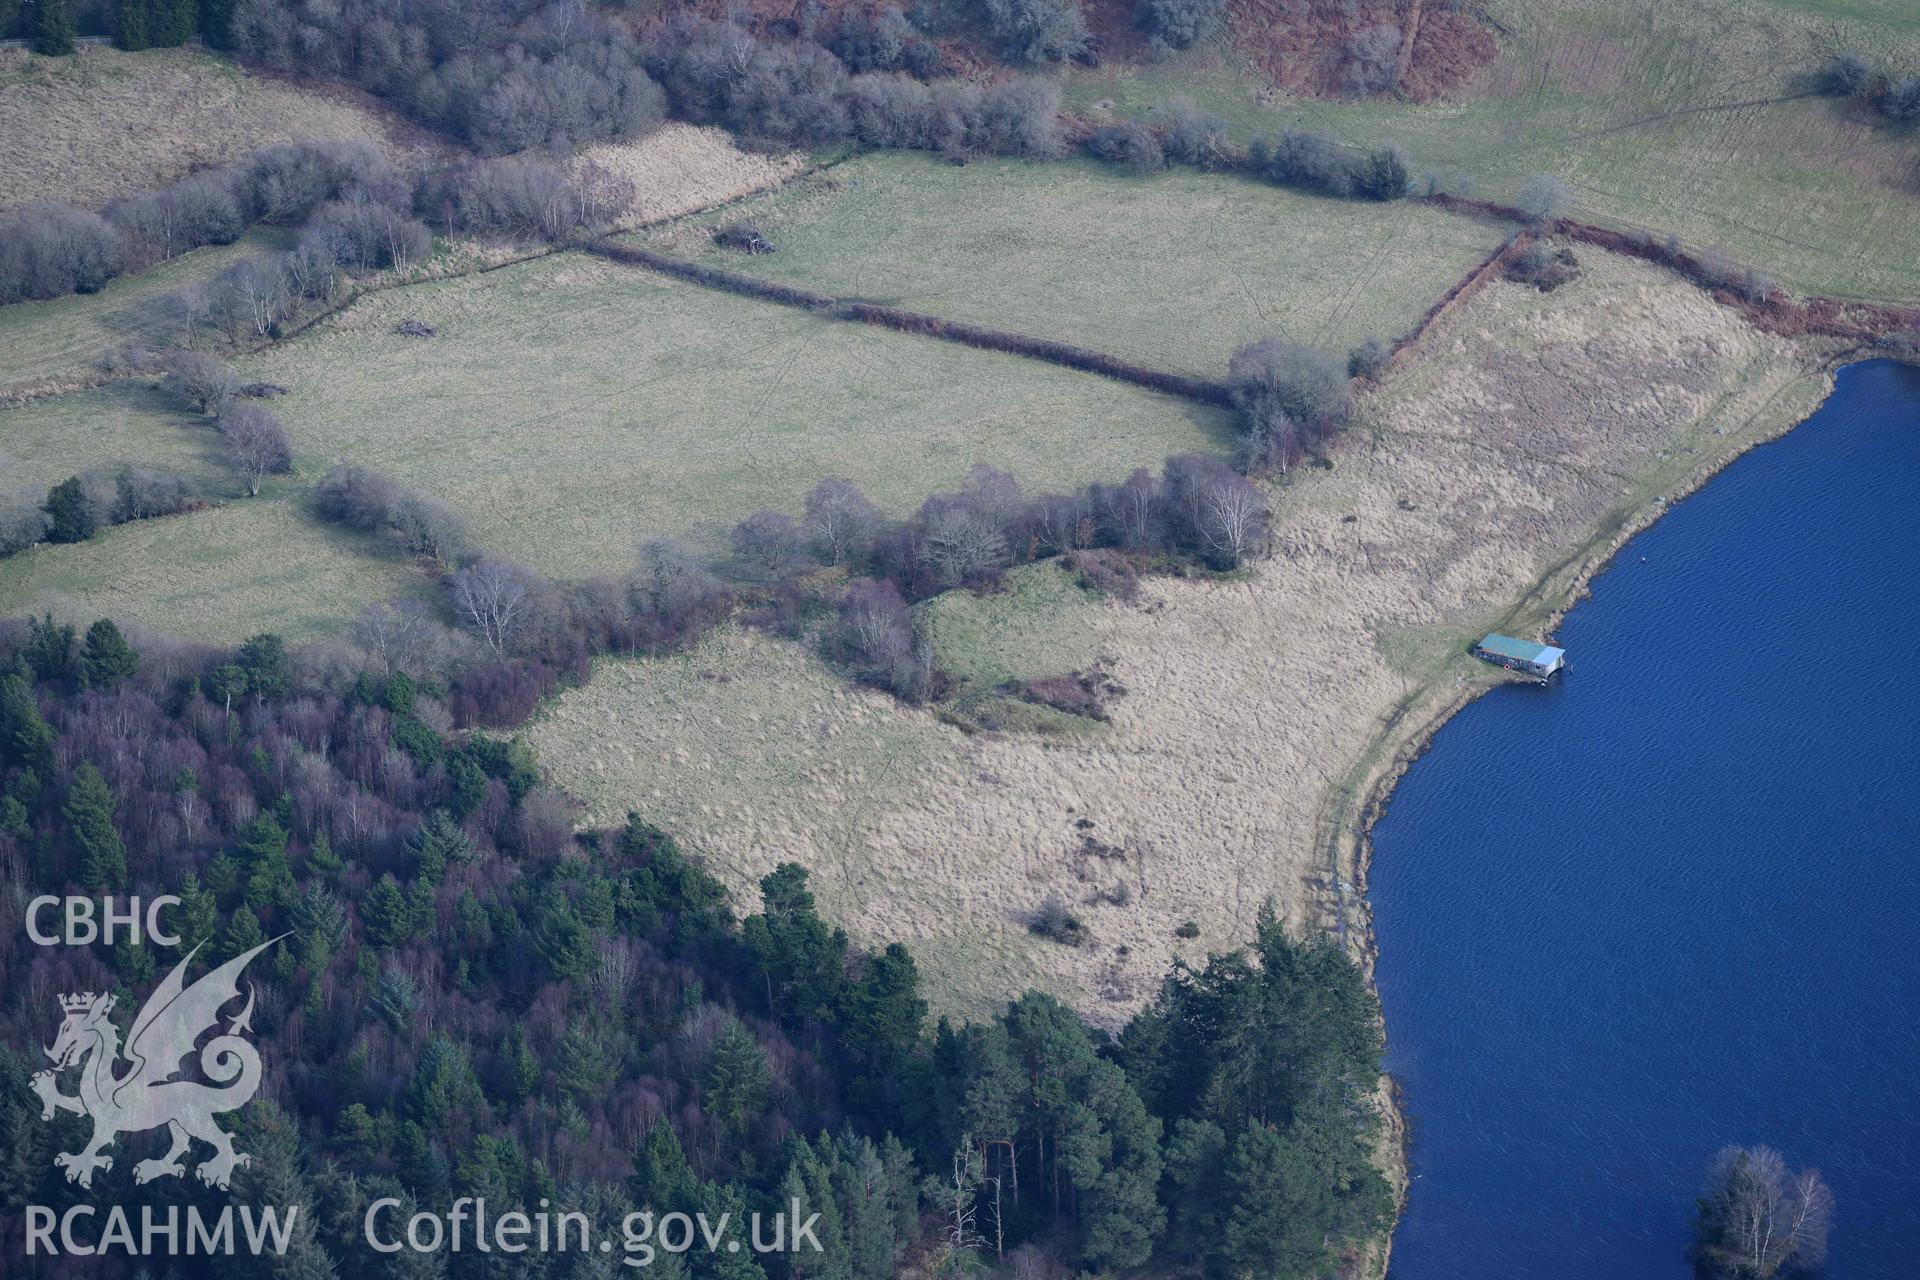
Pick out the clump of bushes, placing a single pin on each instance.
(48, 250)
(1544, 268)
(1901, 102)
(1034, 32)
(361, 498)
(1719, 270)
(743, 237)
(501, 77)
(1368, 359)
(1194, 137)
(352, 202)
(1543, 197)
(1291, 397)
(1370, 61)
(874, 37)
(796, 92)
(1131, 145)
(1314, 161)
(80, 506)
(1077, 693)
(1053, 921)
(1854, 75)
(1848, 75)
(523, 198)
(1178, 24)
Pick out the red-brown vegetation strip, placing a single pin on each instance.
(1789, 317)
(1061, 353)
(1453, 299)
(1304, 48)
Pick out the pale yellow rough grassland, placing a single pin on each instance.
(681, 168)
(1530, 424)
(105, 123)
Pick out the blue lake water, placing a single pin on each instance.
(1673, 902)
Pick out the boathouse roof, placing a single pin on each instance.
(1521, 650)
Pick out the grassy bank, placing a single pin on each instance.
(1172, 270)
(1689, 119)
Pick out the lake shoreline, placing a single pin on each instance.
(1414, 725)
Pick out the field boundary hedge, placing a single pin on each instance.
(1065, 354)
(1790, 317)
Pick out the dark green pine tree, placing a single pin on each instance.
(263, 850)
(174, 21)
(26, 739)
(89, 814)
(133, 24)
(216, 23)
(802, 961)
(197, 916)
(53, 38)
(662, 1179)
(882, 1014)
(73, 515)
(106, 659)
(322, 860)
(806, 1189)
(242, 935)
(735, 1079)
(580, 1064)
(867, 1189)
(264, 659)
(50, 652)
(725, 1198)
(436, 843)
(443, 1086)
(387, 914)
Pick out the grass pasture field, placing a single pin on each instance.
(1484, 471)
(104, 123)
(54, 342)
(218, 575)
(1172, 270)
(46, 440)
(1682, 118)
(571, 407)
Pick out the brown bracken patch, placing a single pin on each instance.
(1302, 45)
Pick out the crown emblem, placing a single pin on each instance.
(77, 1004)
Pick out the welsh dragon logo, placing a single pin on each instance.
(146, 1094)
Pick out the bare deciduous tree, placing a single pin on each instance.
(493, 598)
(961, 545)
(395, 636)
(1543, 197)
(201, 380)
(256, 445)
(1759, 1218)
(1233, 519)
(839, 517)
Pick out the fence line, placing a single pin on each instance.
(1065, 354)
